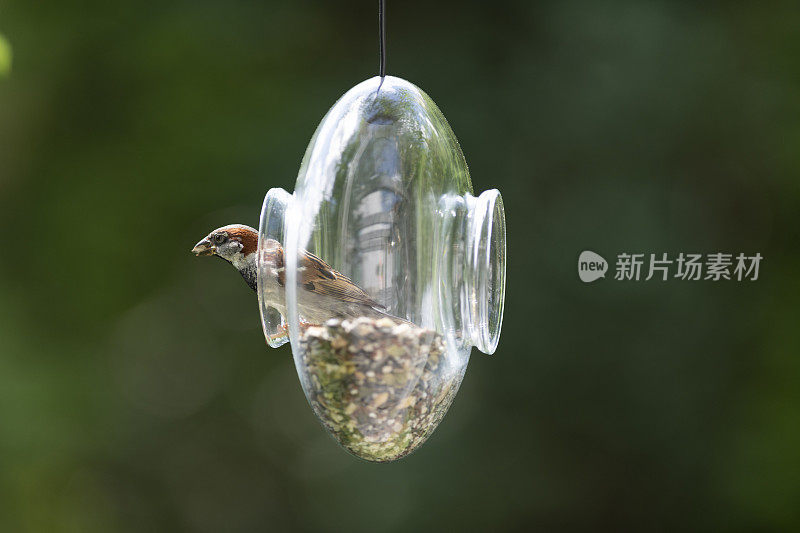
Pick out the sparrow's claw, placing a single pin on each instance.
(284, 330)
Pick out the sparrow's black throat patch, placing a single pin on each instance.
(250, 277)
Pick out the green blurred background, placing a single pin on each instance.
(136, 391)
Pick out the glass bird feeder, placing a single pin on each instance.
(384, 196)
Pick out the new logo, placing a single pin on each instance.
(591, 266)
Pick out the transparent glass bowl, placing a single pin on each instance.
(384, 197)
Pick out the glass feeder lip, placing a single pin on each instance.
(415, 273)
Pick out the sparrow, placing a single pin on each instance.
(323, 293)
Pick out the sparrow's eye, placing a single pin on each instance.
(220, 238)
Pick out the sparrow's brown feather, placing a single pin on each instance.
(275, 258)
(319, 277)
(248, 238)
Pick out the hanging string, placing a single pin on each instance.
(382, 36)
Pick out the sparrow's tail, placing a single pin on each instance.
(371, 312)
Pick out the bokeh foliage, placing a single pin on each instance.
(5, 56)
(137, 390)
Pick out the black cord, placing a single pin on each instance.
(382, 35)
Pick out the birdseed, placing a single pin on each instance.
(378, 386)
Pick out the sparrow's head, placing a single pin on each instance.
(234, 243)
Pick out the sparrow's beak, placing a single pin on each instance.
(204, 247)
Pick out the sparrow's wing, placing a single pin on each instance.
(317, 276)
